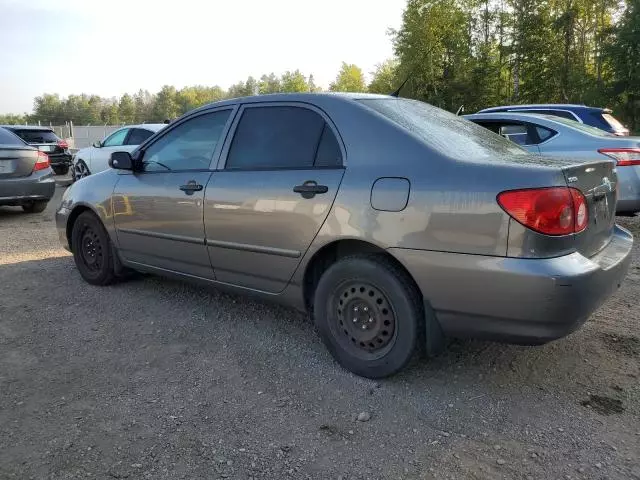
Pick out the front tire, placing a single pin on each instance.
(80, 170)
(37, 206)
(92, 250)
(369, 315)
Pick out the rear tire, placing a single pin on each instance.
(61, 170)
(369, 315)
(37, 206)
(92, 250)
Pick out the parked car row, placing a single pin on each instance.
(391, 222)
(557, 136)
(45, 140)
(26, 177)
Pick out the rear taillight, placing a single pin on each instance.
(624, 157)
(63, 144)
(551, 211)
(42, 162)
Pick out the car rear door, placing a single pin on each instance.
(278, 177)
(158, 211)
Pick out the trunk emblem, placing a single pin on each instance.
(607, 183)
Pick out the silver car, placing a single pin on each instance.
(556, 136)
(392, 222)
(26, 177)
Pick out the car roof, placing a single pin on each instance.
(558, 106)
(294, 97)
(149, 126)
(516, 116)
(26, 127)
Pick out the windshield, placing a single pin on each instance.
(452, 135)
(578, 126)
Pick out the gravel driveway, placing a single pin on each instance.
(162, 380)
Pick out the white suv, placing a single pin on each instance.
(95, 158)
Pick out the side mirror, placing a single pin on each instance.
(121, 161)
(97, 144)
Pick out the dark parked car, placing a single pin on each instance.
(26, 178)
(45, 140)
(601, 118)
(390, 221)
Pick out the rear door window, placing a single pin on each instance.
(282, 137)
(37, 136)
(137, 136)
(517, 133)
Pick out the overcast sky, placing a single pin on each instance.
(117, 46)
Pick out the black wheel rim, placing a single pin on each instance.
(91, 251)
(365, 322)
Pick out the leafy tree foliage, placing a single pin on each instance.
(476, 53)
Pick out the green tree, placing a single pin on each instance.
(127, 109)
(295, 81)
(384, 79)
(269, 84)
(623, 51)
(350, 79)
(165, 106)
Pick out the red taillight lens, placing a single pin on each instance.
(42, 162)
(624, 157)
(552, 211)
(63, 144)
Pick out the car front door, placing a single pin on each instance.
(158, 210)
(115, 142)
(278, 178)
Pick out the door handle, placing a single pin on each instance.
(310, 189)
(190, 187)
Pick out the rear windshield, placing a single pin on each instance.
(8, 138)
(37, 136)
(615, 124)
(454, 136)
(579, 126)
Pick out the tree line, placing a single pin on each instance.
(451, 53)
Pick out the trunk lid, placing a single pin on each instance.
(598, 182)
(17, 161)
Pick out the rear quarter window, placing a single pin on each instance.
(445, 132)
(8, 138)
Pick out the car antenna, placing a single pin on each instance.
(397, 92)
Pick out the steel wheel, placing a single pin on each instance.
(366, 322)
(91, 250)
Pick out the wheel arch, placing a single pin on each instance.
(330, 253)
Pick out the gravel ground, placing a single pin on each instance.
(157, 379)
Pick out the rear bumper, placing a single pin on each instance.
(525, 301)
(60, 159)
(37, 186)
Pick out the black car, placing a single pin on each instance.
(45, 140)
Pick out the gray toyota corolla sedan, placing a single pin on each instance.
(392, 222)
